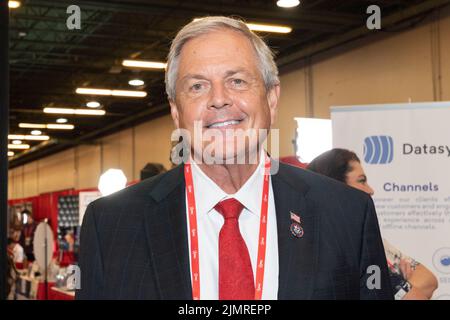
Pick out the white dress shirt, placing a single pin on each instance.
(18, 253)
(209, 223)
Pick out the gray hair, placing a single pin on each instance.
(267, 66)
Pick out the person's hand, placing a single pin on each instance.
(424, 280)
(406, 269)
(415, 294)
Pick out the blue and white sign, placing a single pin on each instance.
(405, 152)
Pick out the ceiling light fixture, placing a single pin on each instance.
(88, 112)
(61, 120)
(10, 153)
(36, 132)
(46, 126)
(60, 126)
(268, 28)
(136, 82)
(264, 27)
(93, 104)
(27, 137)
(16, 141)
(19, 146)
(13, 4)
(107, 92)
(144, 64)
(32, 125)
(288, 3)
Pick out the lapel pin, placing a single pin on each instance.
(296, 228)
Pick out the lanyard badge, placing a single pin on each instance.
(193, 232)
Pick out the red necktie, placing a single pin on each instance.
(235, 269)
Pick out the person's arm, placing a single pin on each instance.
(415, 294)
(372, 254)
(422, 280)
(90, 260)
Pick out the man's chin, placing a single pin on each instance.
(242, 156)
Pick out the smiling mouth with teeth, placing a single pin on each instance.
(224, 123)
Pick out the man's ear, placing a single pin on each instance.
(273, 95)
(174, 113)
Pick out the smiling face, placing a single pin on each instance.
(219, 83)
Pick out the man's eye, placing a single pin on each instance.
(238, 82)
(196, 86)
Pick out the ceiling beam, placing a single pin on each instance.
(72, 33)
(193, 9)
(61, 22)
(64, 44)
(395, 18)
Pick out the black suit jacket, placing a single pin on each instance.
(134, 243)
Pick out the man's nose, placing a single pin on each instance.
(219, 97)
(370, 190)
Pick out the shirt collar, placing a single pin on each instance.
(208, 193)
(250, 194)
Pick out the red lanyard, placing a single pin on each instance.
(193, 232)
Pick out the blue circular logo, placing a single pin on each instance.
(441, 260)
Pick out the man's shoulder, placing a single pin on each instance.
(141, 194)
(320, 186)
(331, 201)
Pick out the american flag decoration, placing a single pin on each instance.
(296, 228)
(295, 217)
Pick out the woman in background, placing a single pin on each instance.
(410, 280)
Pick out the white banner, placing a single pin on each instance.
(86, 197)
(405, 151)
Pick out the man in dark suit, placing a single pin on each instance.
(216, 227)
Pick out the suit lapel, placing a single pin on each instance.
(167, 237)
(297, 256)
